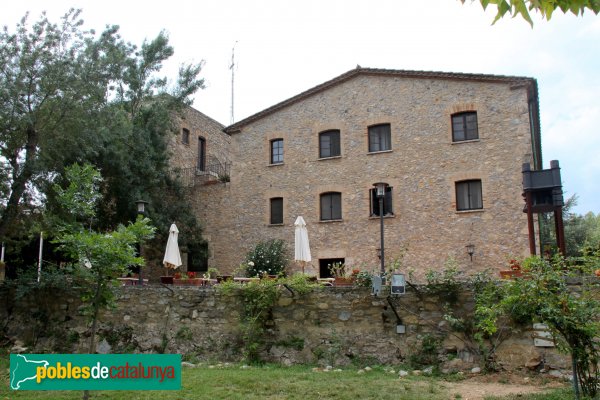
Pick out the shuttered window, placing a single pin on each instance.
(329, 144)
(464, 126)
(380, 138)
(276, 210)
(331, 206)
(468, 195)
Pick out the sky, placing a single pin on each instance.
(283, 48)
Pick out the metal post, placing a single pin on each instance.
(529, 202)
(382, 246)
(140, 279)
(560, 230)
(141, 210)
(39, 276)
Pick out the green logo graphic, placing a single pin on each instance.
(95, 371)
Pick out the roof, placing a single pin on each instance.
(529, 83)
(219, 125)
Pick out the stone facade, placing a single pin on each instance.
(185, 147)
(422, 167)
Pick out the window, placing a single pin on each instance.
(329, 144)
(276, 210)
(331, 206)
(277, 151)
(185, 136)
(468, 195)
(387, 203)
(464, 126)
(380, 138)
(325, 265)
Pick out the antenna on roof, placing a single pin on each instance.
(232, 79)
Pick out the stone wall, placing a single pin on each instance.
(184, 156)
(422, 168)
(330, 326)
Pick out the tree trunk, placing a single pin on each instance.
(575, 378)
(20, 180)
(91, 348)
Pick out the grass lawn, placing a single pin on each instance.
(274, 382)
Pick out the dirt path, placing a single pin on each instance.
(477, 388)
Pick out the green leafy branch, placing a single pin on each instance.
(545, 7)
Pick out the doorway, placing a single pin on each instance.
(325, 263)
(201, 154)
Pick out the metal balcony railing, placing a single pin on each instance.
(213, 172)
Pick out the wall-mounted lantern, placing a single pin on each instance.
(470, 250)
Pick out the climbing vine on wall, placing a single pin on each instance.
(258, 299)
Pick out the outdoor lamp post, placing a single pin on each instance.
(141, 210)
(470, 250)
(380, 193)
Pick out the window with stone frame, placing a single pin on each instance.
(277, 151)
(380, 138)
(185, 136)
(276, 205)
(469, 195)
(331, 206)
(464, 126)
(329, 144)
(388, 209)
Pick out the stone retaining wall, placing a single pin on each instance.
(330, 326)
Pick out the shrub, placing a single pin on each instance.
(267, 258)
(445, 283)
(363, 279)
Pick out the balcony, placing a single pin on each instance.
(212, 173)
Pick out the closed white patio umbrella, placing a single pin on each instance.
(302, 247)
(172, 256)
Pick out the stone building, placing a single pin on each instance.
(450, 146)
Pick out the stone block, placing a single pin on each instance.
(344, 316)
(285, 301)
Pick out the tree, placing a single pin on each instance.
(98, 257)
(70, 95)
(582, 232)
(545, 7)
(48, 84)
(544, 295)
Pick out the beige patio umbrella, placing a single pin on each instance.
(302, 247)
(172, 258)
